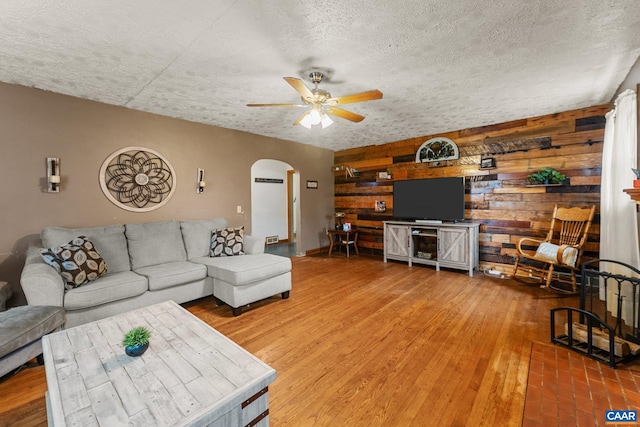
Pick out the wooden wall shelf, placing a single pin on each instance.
(634, 193)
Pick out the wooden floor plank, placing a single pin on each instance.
(364, 343)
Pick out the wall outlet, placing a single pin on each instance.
(239, 209)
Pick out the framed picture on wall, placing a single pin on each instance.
(312, 184)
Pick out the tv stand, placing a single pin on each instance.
(450, 245)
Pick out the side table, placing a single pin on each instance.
(343, 238)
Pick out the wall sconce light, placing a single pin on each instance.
(201, 181)
(53, 174)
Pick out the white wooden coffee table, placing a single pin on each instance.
(190, 375)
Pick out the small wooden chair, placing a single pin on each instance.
(562, 247)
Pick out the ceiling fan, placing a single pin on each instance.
(320, 104)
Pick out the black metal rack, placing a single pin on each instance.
(593, 330)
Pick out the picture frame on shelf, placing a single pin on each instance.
(487, 163)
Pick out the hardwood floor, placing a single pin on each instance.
(364, 343)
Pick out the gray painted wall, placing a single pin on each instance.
(35, 124)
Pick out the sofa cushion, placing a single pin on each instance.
(109, 241)
(154, 243)
(240, 270)
(20, 326)
(227, 242)
(170, 274)
(253, 245)
(77, 261)
(110, 287)
(197, 235)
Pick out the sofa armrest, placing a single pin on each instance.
(253, 245)
(5, 294)
(41, 283)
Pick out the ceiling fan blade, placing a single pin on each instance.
(344, 114)
(302, 89)
(275, 105)
(356, 97)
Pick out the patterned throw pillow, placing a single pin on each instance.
(227, 242)
(78, 262)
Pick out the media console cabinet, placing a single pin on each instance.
(450, 245)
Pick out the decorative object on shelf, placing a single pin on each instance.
(136, 341)
(636, 182)
(436, 149)
(53, 174)
(201, 182)
(349, 172)
(546, 176)
(312, 184)
(384, 175)
(340, 216)
(381, 206)
(137, 179)
(487, 163)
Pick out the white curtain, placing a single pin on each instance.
(618, 218)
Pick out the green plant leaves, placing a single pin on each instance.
(137, 336)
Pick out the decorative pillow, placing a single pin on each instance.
(549, 252)
(227, 242)
(78, 262)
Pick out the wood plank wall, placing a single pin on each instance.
(498, 199)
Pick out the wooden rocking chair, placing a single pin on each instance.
(562, 247)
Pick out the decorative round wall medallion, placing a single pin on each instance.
(436, 149)
(137, 179)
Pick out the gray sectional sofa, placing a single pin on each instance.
(153, 262)
(21, 330)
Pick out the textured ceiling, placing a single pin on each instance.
(442, 65)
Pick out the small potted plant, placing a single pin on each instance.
(546, 176)
(636, 182)
(136, 341)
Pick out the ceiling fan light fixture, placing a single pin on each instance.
(321, 104)
(326, 121)
(314, 116)
(306, 121)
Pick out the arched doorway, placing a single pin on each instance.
(275, 211)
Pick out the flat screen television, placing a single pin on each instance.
(433, 199)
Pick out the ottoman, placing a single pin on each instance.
(244, 279)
